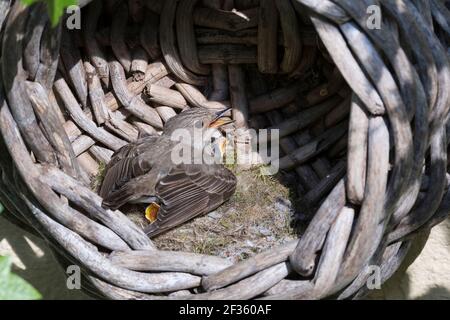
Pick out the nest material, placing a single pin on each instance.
(367, 144)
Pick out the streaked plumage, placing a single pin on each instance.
(143, 172)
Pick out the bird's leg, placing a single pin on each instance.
(151, 212)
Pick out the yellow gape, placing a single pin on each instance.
(151, 212)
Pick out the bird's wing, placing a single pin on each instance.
(131, 150)
(189, 190)
(134, 189)
(126, 164)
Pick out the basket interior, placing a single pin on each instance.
(354, 137)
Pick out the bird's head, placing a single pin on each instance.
(200, 129)
(197, 118)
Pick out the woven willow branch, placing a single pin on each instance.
(366, 143)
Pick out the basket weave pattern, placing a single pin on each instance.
(377, 128)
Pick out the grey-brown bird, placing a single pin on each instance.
(144, 172)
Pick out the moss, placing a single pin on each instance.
(97, 180)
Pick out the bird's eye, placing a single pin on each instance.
(213, 139)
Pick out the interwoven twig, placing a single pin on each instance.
(69, 100)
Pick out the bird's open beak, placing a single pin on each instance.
(220, 120)
(151, 212)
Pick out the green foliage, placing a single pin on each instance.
(12, 287)
(55, 8)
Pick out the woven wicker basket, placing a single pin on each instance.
(382, 109)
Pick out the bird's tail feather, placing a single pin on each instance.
(118, 198)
